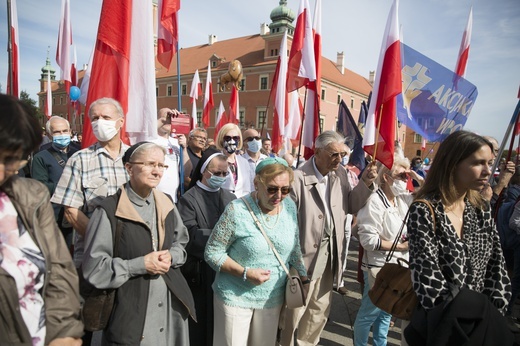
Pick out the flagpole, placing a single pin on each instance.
(301, 131)
(512, 123)
(9, 49)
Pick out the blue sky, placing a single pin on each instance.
(433, 27)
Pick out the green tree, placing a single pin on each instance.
(25, 98)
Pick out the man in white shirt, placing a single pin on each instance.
(172, 142)
(252, 146)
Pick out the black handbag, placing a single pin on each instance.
(99, 303)
(393, 290)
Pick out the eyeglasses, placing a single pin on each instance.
(256, 138)
(274, 189)
(12, 164)
(200, 138)
(219, 174)
(235, 138)
(151, 165)
(400, 176)
(336, 155)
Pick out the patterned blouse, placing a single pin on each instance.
(438, 257)
(236, 236)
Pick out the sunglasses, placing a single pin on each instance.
(274, 189)
(229, 138)
(256, 138)
(336, 155)
(219, 174)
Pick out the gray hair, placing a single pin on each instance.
(48, 123)
(328, 137)
(144, 148)
(107, 101)
(197, 129)
(399, 161)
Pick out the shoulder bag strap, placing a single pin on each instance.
(53, 152)
(265, 235)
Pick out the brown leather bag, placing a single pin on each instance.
(99, 303)
(393, 290)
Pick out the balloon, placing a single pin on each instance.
(426, 161)
(74, 93)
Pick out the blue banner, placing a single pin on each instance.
(435, 101)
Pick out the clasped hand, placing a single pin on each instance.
(158, 262)
(258, 276)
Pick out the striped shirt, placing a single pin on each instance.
(89, 176)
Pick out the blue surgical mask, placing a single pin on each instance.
(61, 141)
(254, 145)
(216, 182)
(344, 160)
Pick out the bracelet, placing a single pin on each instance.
(244, 274)
(306, 282)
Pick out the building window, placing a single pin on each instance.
(263, 82)
(169, 90)
(272, 52)
(417, 138)
(322, 122)
(243, 84)
(61, 100)
(323, 94)
(242, 118)
(351, 102)
(431, 122)
(199, 118)
(156, 91)
(213, 63)
(339, 99)
(261, 119)
(184, 89)
(53, 101)
(276, 51)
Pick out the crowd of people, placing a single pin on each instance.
(193, 236)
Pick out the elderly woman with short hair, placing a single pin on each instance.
(250, 283)
(153, 301)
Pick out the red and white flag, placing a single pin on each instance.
(208, 98)
(64, 44)
(13, 76)
(196, 90)
(302, 67)
(85, 81)
(48, 103)
(293, 127)
(380, 124)
(73, 68)
(279, 96)
(167, 31)
(234, 107)
(221, 119)
(462, 59)
(311, 124)
(123, 68)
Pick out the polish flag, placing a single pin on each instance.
(48, 104)
(279, 95)
(13, 78)
(462, 60)
(167, 31)
(221, 119)
(208, 99)
(85, 82)
(302, 67)
(311, 123)
(423, 145)
(380, 124)
(123, 68)
(73, 67)
(196, 90)
(234, 107)
(64, 43)
(293, 127)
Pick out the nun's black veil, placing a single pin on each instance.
(197, 175)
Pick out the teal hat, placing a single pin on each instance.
(270, 161)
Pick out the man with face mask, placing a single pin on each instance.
(47, 165)
(93, 173)
(252, 144)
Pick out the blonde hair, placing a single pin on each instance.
(271, 171)
(223, 132)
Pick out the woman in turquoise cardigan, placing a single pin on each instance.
(250, 283)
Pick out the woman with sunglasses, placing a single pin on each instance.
(250, 283)
(229, 140)
(152, 301)
(39, 294)
(200, 208)
(379, 222)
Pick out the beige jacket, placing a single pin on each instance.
(311, 211)
(60, 290)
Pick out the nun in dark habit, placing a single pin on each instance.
(200, 208)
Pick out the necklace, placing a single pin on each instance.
(266, 220)
(458, 217)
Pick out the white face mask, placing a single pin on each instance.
(104, 130)
(399, 188)
(344, 160)
(254, 145)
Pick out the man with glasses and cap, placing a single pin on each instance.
(323, 197)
